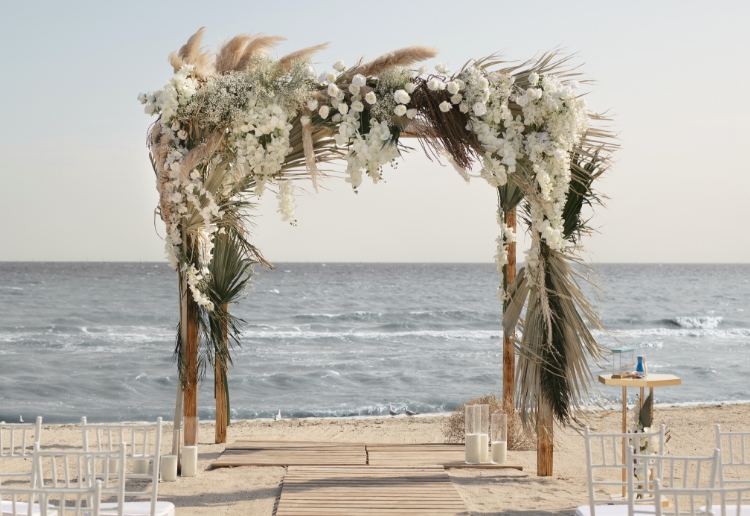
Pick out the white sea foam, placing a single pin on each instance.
(707, 323)
(728, 333)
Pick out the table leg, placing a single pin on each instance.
(624, 430)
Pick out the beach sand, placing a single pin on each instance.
(254, 490)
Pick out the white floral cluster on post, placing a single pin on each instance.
(556, 119)
(184, 189)
(507, 236)
(553, 121)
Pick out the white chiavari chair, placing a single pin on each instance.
(605, 463)
(144, 444)
(17, 442)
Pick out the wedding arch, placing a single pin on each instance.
(232, 125)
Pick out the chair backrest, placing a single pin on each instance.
(683, 501)
(17, 441)
(734, 469)
(604, 455)
(732, 501)
(52, 501)
(144, 442)
(673, 472)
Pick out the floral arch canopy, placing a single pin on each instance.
(233, 125)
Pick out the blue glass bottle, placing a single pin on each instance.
(639, 368)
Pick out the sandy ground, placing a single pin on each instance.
(254, 490)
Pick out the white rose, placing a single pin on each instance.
(304, 120)
(324, 110)
(435, 84)
(353, 89)
(461, 84)
(339, 65)
(340, 95)
(310, 71)
(463, 107)
(457, 98)
(323, 77)
(441, 68)
(359, 80)
(312, 104)
(333, 90)
(358, 106)
(371, 98)
(479, 108)
(445, 106)
(336, 118)
(149, 109)
(401, 97)
(452, 87)
(533, 78)
(343, 108)
(484, 83)
(331, 77)
(409, 87)
(181, 134)
(422, 70)
(411, 113)
(400, 110)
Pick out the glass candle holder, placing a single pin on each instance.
(499, 437)
(484, 432)
(472, 432)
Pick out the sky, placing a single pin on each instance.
(77, 184)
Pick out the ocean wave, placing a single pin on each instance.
(682, 332)
(707, 323)
(374, 335)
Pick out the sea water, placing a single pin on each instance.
(96, 339)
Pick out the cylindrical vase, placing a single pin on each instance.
(168, 468)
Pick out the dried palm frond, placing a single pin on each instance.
(258, 44)
(401, 57)
(556, 342)
(231, 53)
(285, 63)
(440, 132)
(201, 152)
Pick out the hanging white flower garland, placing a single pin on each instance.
(552, 124)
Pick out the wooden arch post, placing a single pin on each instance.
(509, 353)
(190, 358)
(220, 388)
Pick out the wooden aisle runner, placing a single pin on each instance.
(286, 453)
(410, 455)
(367, 490)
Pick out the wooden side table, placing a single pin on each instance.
(650, 381)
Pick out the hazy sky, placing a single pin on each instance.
(77, 184)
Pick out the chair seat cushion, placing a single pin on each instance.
(731, 510)
(614, 510)
(137, 509)
(6, 506)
